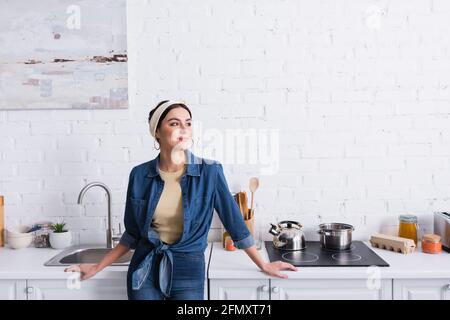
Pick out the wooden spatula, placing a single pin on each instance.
(238, 200)
(253, 185)
(245, 204)
(241, 201)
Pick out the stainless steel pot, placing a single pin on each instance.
(287, 235)
(335, 236)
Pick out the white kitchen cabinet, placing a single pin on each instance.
(239, 289)
(330, 289)
(421, 289)
(62, 289)
(292, 289)
(13, 290)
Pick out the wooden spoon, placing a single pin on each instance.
(239, 201)
(245, 204)
(253, 185)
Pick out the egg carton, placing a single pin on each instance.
(393, 243)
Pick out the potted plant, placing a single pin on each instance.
(60, 238)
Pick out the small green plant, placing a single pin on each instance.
(59, 227)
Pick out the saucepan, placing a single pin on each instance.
(335, 236)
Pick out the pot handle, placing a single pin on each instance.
(324, 232)
(290, 223)
(274, 230)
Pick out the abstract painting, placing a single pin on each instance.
(58, 54)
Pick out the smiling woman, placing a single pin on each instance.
(159, 113)
(176, 194)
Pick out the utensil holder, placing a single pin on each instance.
(250, 223)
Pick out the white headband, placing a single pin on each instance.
(153, 122)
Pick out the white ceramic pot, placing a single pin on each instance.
(18, 237)
(60, 240)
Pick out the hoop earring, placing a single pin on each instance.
(155, 146)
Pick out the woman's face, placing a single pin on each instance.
(175, 130)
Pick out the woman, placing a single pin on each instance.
(168, 212)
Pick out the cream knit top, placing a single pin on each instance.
(168, 217)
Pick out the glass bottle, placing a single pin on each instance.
(225, 234)
(227, 242)
(408, 227)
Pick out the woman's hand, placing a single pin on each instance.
(270, 268)
(87, 270)
(273, 268)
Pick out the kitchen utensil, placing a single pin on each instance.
(250, 224)
(237, 199)
(241, 199)
(244, 204)
(392, 243)
(442, 227)
(408, 227)
(335, 236)
(431, 243)
(253, 185)
(287, 235)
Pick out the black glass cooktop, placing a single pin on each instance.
(359, 255)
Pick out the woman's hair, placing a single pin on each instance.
(164, 114)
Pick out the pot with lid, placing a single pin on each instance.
(287, 235)
(335, 236)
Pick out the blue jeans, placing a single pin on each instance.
(188, 279)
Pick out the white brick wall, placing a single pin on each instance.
(362, 105)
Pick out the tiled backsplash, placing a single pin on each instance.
(359, 91)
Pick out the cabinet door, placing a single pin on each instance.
(92, 289)
(13, 290)
(329, 289)
(237, 289)
(422, 289)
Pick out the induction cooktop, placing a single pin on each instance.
(358, 255)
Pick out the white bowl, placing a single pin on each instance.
(18, 235)
(20, 242)
(18, 231)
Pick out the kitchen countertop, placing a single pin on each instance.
(28, 263)
(237, 265)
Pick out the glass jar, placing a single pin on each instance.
(42, 234)
(229, 245)
(408, 227)
(431, 243)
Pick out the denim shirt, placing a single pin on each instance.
(203, 188)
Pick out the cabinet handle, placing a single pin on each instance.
(30, 290)
(275, 289)
(265, 288)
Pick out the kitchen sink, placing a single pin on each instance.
(76, 255)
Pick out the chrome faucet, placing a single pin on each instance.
(110, 237)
